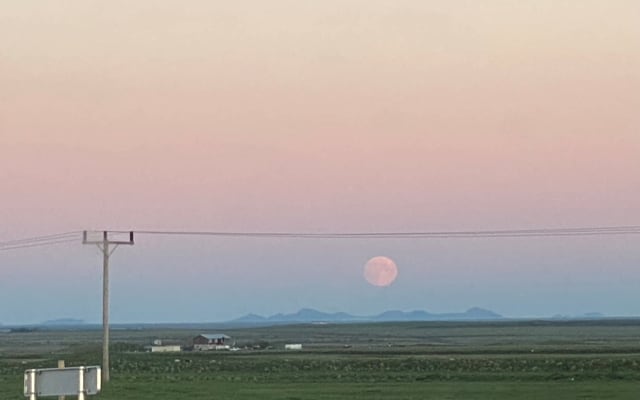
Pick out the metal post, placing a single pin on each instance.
(61, 365)
(105, 307)
(32, 385)
(81, 389)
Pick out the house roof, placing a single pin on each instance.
(214, 336)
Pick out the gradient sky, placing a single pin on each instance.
(304, 115)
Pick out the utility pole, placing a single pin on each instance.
(104, 245)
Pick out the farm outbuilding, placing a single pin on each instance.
(159, 347)
(211, 341)
(165, 349)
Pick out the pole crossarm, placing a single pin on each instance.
(105, 237)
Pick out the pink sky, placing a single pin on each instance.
(319, 116)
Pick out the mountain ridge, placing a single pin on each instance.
(312, 315)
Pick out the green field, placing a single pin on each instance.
(507, 360)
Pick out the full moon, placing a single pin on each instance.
(380, 271)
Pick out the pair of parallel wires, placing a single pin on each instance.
(38, 241)
(76, 236)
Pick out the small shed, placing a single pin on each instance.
(159, 347)
(211, 341)
(164, 349)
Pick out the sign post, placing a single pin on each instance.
(61, 365)
(52, 382)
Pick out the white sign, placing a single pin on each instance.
(62, 381)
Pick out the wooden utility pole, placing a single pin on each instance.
(104, 246)
(105, 308)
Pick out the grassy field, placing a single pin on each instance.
(507, 360)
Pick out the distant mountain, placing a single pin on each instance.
(63, 321)
(471, 314)
(396, 315)
(253, 318)
(590, 315)
(474, 313)
(311, 315)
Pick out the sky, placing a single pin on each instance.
(332, 116)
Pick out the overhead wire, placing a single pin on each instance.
(514, 233)
(38, 244)
(71, 236)
(36, 239)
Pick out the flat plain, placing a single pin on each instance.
(410, 360)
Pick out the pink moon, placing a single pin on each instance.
(380, 271)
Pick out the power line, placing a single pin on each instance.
(40, 244)
(67, 237)
(510, 233)
(38, 239)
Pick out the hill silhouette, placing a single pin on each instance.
(312, 315)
